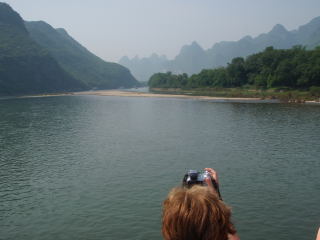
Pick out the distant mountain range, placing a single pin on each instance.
(36, 58)
(193, 58)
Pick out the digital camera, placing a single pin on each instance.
(193, 177)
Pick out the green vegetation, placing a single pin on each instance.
(36, 58)
(193, 58)
(77, 60)
(287, 74)
(25, 67)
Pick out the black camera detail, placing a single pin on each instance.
(193, 177)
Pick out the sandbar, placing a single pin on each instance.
(128, 93)
(121, 93)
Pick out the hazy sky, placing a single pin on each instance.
(114, 28)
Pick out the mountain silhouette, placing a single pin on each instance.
(193, 58)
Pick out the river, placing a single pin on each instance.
(99, 167)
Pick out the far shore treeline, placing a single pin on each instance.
(295, 68)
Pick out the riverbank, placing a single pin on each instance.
(177, 93)
(284, 96)
(122, 93)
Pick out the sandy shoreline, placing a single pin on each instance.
(125, 93)
(120, 93)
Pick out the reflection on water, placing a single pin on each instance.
(89, 167)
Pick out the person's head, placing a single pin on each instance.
(195, 213)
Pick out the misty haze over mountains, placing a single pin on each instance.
(35, 58)
(77, 60)
(193, 58)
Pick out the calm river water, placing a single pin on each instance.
(93, 168)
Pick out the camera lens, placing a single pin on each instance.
(193, 176)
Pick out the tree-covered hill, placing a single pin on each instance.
(77, 60)
(25, 67)
(295, 68)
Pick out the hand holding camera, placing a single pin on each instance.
(208, 177)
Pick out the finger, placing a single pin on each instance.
(213, 173)
(208, 182)
(209, 169)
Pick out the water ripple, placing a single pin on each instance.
(90, 167)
